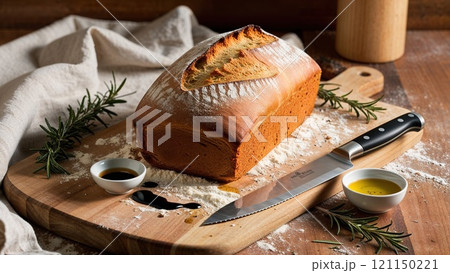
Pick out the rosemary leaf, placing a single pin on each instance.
(366, 229)
(326, 242)
(79, 122)
(367, 109)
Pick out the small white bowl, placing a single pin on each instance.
(118, 186)
(374, 203)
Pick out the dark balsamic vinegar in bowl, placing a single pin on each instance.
(118, 174)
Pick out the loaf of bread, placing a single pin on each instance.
(223, 96)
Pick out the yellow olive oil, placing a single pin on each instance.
(374, 186)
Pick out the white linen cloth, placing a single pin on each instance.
(45, 71)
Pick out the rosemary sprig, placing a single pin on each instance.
(326, 242)
(80, 121)
(366, 228)
(368, 109)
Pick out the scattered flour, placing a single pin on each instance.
(126, 151)
(114, 140)
(83, 158)
(341, 251)
(146, 209)
(284, 228)
(195, 189)
(418, 156)
(416, 175)
(78, 171)
(128, 202)
(418, 152)
(322, 127)
(261, 179)
(297, 147)
(266, 246)
(110, 220)
(100, 142)
(190, 188)
(170, 183)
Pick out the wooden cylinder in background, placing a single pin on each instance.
(372, 31)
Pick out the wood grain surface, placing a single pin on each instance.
(419, 80)
(80, 210)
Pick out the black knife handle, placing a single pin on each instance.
(382, 135)
(390, 131)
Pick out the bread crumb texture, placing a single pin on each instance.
(230, 59)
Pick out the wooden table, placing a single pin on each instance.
(420, 80)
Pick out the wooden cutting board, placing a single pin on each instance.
(78, 209)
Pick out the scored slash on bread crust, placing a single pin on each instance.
(244, 73)
(229, 60)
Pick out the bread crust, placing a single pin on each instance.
(230, 59)
(291, 91)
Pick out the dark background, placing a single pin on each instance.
(18, 17)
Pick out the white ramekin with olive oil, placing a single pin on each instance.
(374, 190)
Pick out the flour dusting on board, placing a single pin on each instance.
(114, 140)
(418, 156)
(324, 128)
(190, 188)
(266, 246)
(171, 184)
(288, 238)
(284, 228)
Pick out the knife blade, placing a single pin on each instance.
(318, 171)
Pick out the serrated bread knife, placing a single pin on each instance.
(318, 171)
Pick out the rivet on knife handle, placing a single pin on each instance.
(382, 135)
